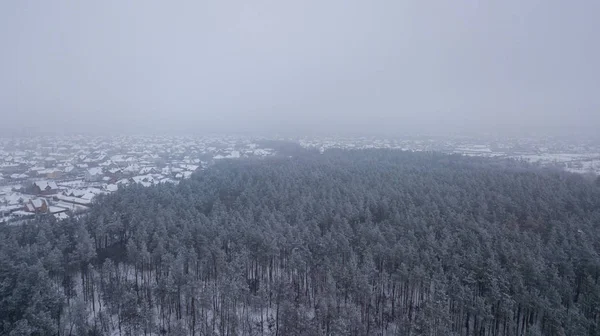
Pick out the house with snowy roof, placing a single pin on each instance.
(93, 174)
(17, 176)
(44, 188)
(50, 173)
(38, 205)
(111, 187)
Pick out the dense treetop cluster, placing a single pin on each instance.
(364, 242)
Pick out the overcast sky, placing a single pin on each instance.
(320, 65)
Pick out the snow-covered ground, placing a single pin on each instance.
(83, 167)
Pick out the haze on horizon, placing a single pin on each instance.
(304, 66)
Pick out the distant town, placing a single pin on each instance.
(61, 176)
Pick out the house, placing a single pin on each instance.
(131, 169)
(111, 187)
(189, 167)
(115, 171)
(44, 188)
(124, 181)
(50, 173)
(6, 210)
(56, 210)
(145, 180)
(71, 170)
(37, 205)
(93, 174)
(147, 170)
(88, 197)
(74, 192)
(74, 200)
(17, 176)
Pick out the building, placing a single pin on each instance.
(37, 205)
(50, 173)
(44, 188)
(93, 174)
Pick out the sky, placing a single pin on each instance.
(321, 66)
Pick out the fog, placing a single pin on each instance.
(299, 66)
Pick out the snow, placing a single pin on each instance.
(38, 202)
(168, 180)
(14, 198)
(89, 196)
(73, 183)
(71, 206)
(474, 149)
(145, 170)
(143, 178)
(95, 171)
(73, 199)
(189, 167)
(8, 208)
(22, 213)
(61, 216)
(56, 209)
(231, 155)
(262, 152)
(44, 185)
(123, 181)
(112, 187)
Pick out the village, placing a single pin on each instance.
(61, 176)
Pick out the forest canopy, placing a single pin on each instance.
(361, 242)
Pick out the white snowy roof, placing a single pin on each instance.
(189, 167)
(73, 199)
(123, 181)
(143, 178)
(88, 196)
(145, 170)
(55, 209)
(75, 192)
(37, 202)
(43, 185)
(48, 171)
(112, 187)
(95, 171)
(61, 215)
(70, 206)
